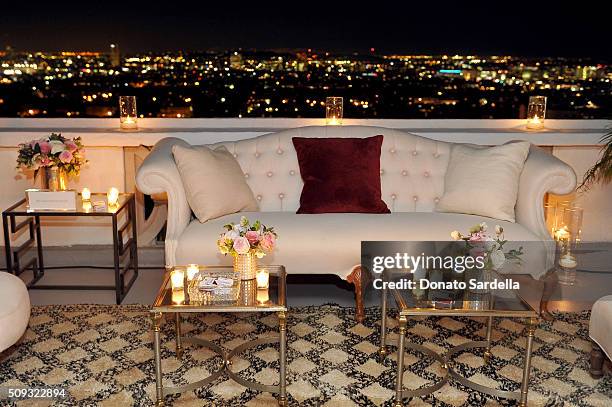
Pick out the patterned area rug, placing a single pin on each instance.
(103, 355)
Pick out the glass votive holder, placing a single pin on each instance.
(178, 297)
(112, 196)
(263, 296)
(128, 115)
(536, 112)
(87, 207)
(86, 194)
(334, 110)
(263, 278)
(177, 279)
(192, 271)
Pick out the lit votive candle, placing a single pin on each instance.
(535, 123)
(87, 206)
(178, 296)
(129, 123)
(192, 270)
(263, 279)
(86, 194)
(568, 261)
(263, 296)
(562, 234)
(177, 279)
(112, 196)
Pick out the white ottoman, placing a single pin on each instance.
(600, 326)
(14, 309)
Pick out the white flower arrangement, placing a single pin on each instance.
(480, 243)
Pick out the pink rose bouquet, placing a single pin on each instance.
(480, 243)
(244, 238)
(52, 151)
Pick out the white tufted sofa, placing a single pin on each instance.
(412, 180)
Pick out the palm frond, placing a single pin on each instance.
(601, 172)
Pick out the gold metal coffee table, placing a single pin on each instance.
(250, 299)
(470, 304)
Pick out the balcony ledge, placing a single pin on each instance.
(106, 132)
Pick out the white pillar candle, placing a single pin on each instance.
(263, 278)
(86, 194)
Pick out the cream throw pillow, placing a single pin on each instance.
(484, 181)
(214, 182)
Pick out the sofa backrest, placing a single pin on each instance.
(412, 167)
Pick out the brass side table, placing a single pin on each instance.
(250, 300)
(490, 305)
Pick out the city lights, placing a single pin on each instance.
(296, 83)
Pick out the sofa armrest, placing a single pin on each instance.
(158, 174)
(542, 173)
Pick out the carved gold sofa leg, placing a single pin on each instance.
(358, 278)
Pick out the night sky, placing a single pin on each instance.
(523, 28)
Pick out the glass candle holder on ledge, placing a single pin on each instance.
(536, 112)
(128, 115)
(334, 107)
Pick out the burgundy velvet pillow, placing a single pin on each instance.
(340, 175)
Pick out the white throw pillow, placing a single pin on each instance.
(214, 182)
(484, 181)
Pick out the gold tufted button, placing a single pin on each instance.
(392, 151)
(279, 151)
(382, 172)
(393, 196)
(291, 172)
(259, 197)
(426, 174)
(436, 155)
(415, 153)
(436, 199)
(246, 175)
(257, 154)
(269, 174)
(404, 173)
(281, 195)
(415, 198)
(235, 155)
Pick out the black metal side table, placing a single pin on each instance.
(122, 242)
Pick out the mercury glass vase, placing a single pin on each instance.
(246, 266)
(54, 179)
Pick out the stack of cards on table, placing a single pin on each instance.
(99, 206)
(216, 284)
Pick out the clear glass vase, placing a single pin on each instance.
(246, 266)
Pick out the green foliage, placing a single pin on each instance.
(601, 172)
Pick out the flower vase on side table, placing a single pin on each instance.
(54, 179)
(246, 265)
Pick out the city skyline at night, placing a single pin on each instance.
(294, 83)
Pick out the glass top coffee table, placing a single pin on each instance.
(468, 303)
(188, 296)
